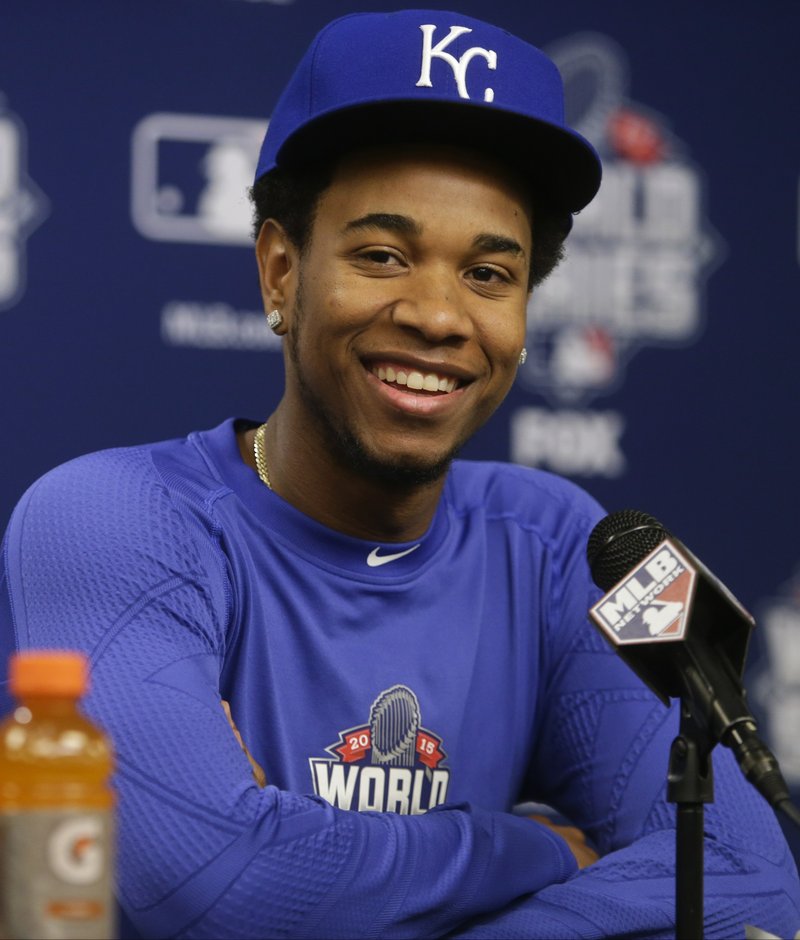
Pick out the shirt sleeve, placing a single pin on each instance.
(601, 759)
(102, 555)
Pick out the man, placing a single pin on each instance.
(392, 631)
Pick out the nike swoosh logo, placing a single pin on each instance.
(374, 560)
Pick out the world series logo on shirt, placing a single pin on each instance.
(390, 764)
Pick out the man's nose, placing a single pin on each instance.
(433, 306)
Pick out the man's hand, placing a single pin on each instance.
(258, 773)
(575, 839)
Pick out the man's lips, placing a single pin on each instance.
(415, 379)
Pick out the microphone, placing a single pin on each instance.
(683, 633)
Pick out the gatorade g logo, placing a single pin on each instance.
(459, 66)
(75, 850)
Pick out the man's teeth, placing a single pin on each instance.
(416, 380)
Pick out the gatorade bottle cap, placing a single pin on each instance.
(48, 673)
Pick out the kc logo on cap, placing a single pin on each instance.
(459, 66)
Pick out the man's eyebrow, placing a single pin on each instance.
(385, 220)
(405, 225)
(498, 243)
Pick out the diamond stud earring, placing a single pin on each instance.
(274, 319)
(523, 356)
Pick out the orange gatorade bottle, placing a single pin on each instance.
(56, 806)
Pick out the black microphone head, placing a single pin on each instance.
(619, 542)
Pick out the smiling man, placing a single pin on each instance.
(404, 317)
(399, 638)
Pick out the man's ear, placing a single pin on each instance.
(277, 260)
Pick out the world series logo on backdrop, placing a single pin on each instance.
(23, 207)
(637, 262)
(390, 763)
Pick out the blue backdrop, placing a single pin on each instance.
(662, 372)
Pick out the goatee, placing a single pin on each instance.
(347, 448)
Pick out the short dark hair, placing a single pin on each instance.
(291, 197)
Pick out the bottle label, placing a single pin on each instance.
(56, 874)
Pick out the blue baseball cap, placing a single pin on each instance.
(432, 76)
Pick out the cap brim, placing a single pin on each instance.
(560, 165)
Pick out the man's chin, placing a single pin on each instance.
(397, 470)
(409, 475)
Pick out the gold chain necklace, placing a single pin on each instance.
(260, 458)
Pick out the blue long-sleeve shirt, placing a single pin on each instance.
(432, 685)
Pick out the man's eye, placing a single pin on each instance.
(379, 256)
(487, 274)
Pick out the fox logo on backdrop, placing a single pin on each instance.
(389, 764)
(637, 262)
(22, 207)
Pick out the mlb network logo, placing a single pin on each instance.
(190, 176)
(651, 604)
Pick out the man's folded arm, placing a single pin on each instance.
(601, 759)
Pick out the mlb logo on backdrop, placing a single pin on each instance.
(189, 177)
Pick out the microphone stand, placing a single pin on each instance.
(690, 784)
(705, 672)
